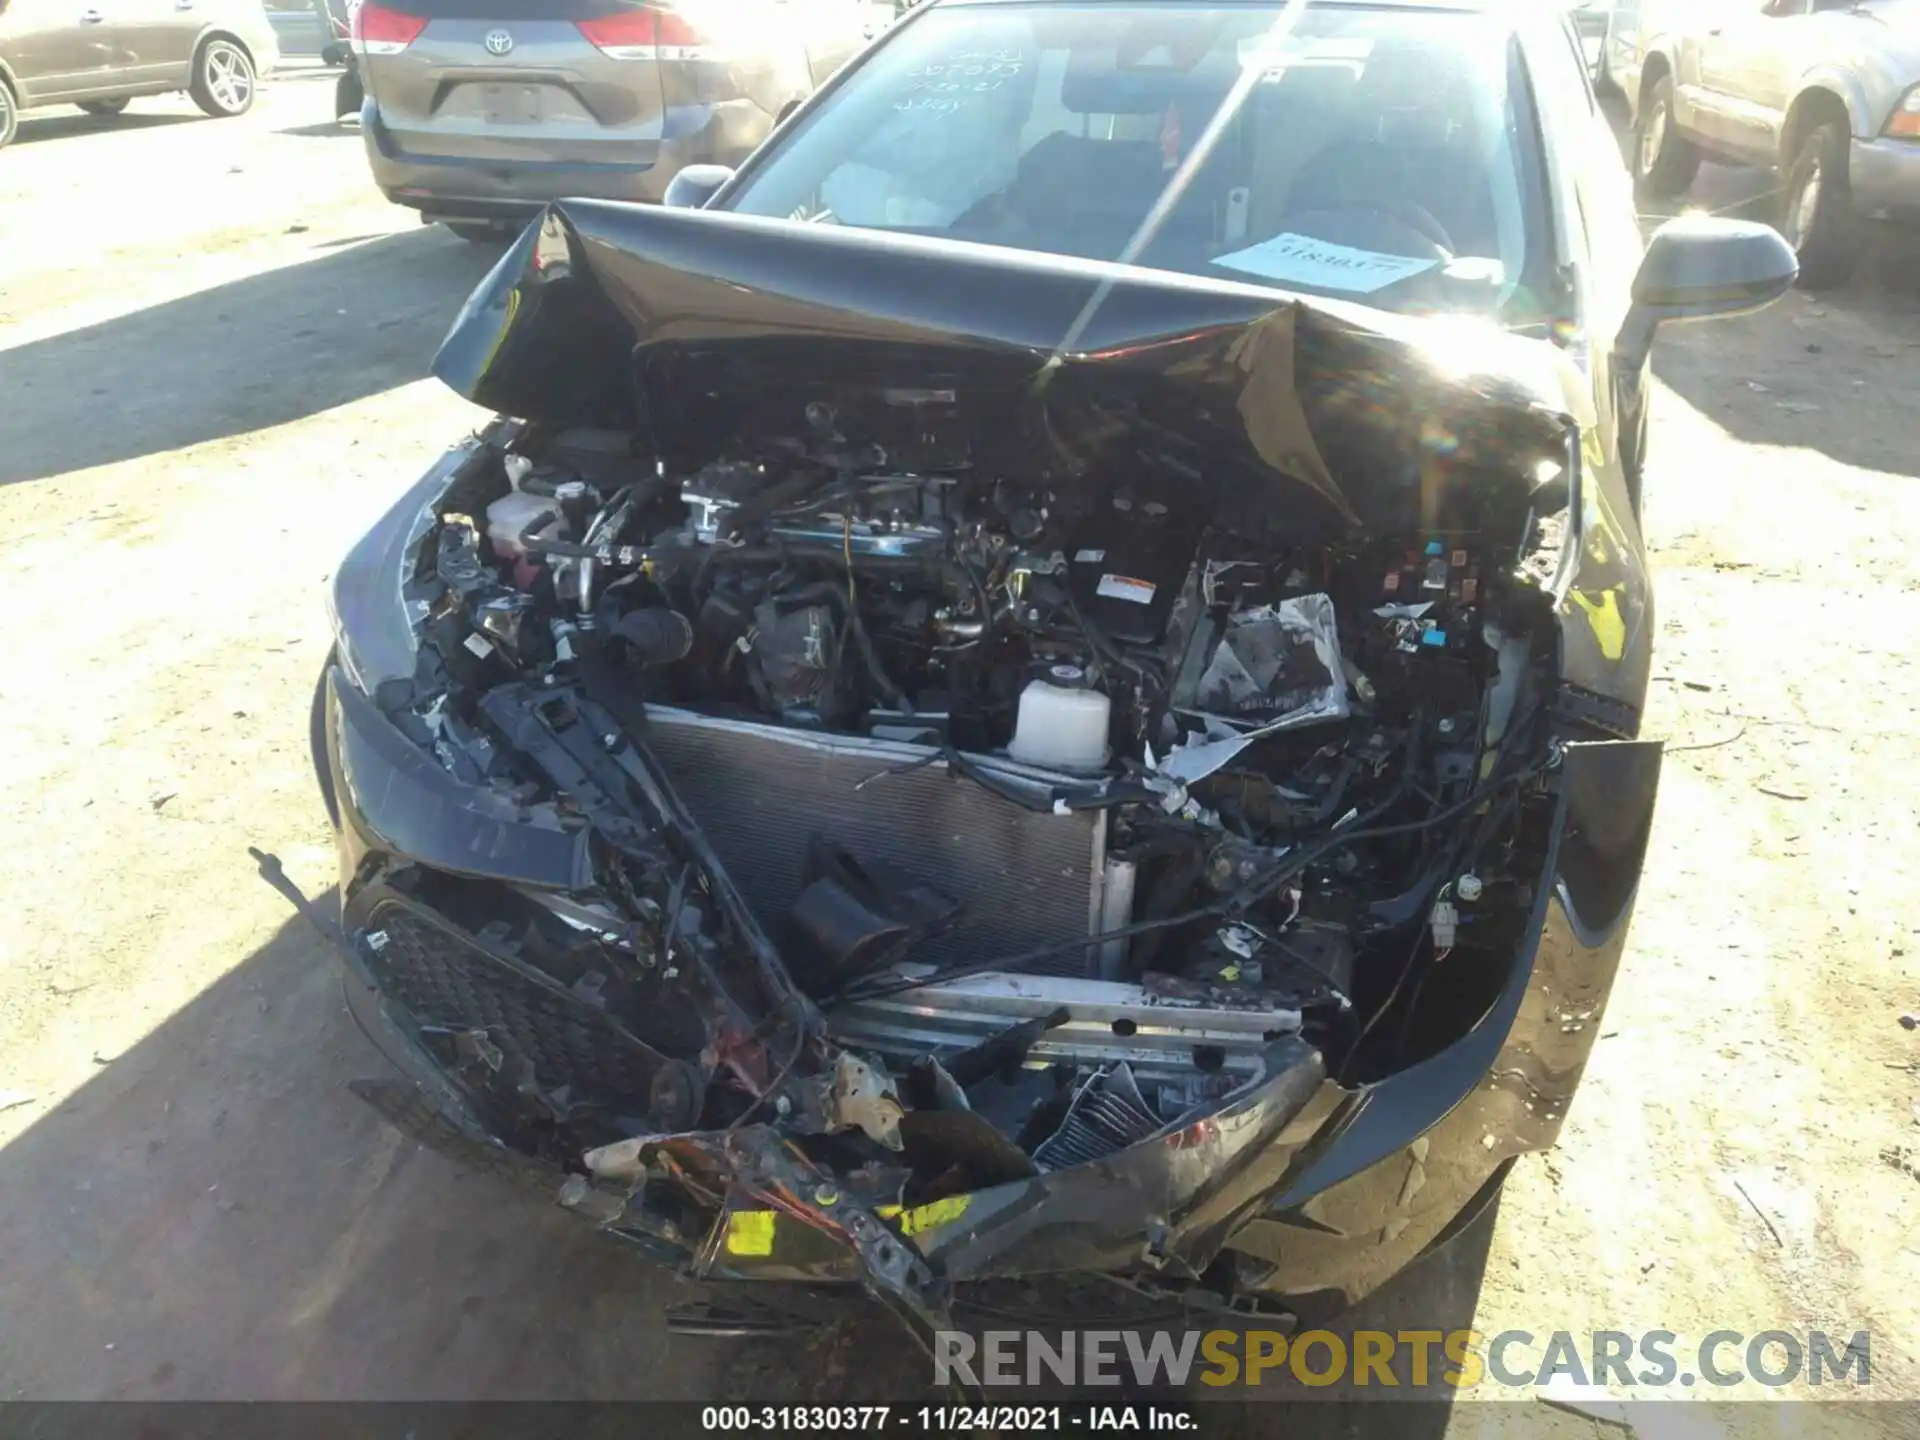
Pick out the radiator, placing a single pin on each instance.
(760, 791)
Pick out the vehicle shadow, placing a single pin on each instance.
(214, 1216)
(358, 321)
(1825, 371)
(301, 70)
(34, 128)
(325, 130)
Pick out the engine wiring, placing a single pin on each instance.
(1232, 904)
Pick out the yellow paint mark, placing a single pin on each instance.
(750, 1232)
(500, 335)
(928, 1217)
(1605, 620)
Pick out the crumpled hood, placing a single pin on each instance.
(1330, 407)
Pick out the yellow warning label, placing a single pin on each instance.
(928, 1217)
(750, 1232)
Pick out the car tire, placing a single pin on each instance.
(223, 79)
(1664, 160)
(9, 115)
(1817, 216)
(104, 107)
(349, 95)
(478, 232)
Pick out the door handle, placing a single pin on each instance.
(183, 4)
(91, 17)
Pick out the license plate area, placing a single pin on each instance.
(510, 104)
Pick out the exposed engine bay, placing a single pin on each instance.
(1062, 804)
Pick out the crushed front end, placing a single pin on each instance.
(840, 792)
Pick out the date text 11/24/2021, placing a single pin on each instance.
(944, 1419)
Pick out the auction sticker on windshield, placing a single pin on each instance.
(1302, 260)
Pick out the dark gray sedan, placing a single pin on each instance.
(1048, 677)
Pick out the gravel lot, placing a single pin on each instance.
(212, 344)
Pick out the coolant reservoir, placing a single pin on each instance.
(1060, 728)
(510, 517)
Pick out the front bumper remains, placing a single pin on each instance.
(1298, 1185)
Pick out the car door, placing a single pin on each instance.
(1748, 56)
(56, 48)
(154, 40)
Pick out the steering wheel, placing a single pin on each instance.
(1406, 214)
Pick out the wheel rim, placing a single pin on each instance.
(1654, 137)
(1805, 207)
(229, 77)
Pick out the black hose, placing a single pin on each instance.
(987, 636)
(1100, 795)
(1458, 857)
(876, 672)
(729, 555)
(770, 501)
(1257, 890)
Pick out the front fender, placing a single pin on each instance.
(1316, 1185)
(1844, 86)
(1393, 1169)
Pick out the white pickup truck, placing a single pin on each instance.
(1825, 91)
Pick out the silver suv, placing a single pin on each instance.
(479, 111)
(1828, 91)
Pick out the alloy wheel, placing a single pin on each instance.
(229, 77)
(1804, 207)
(1653, 137)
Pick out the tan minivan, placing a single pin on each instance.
(100, 54)
(477, 112)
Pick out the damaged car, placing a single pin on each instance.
(1044, 681)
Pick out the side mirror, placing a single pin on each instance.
(695, 185)
(1699, 266)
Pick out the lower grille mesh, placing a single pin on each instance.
(1023, 879)
(442, 981)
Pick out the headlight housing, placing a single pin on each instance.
(1904, 122)
(376, 601)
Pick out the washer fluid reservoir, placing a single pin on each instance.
(1061, 728)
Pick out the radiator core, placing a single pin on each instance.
(759, 792)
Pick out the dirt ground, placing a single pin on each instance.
(212, 344)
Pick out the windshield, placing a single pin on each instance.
(1370, 154)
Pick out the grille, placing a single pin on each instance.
(441, 980)
(1023, 880)
(1107, 1116)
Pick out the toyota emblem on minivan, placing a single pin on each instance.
(499, 42)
